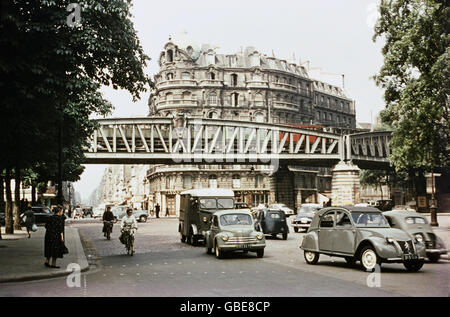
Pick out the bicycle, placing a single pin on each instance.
(128, 239)
(108, 228)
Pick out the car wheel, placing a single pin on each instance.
(219, 253)
(434, 257)
(260, 253)
(311, 257)
(193, 240)
(295, 229)
(369, 258)
(413, 266)
(143, 219)
(208, 250)
(285, 235)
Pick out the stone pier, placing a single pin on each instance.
(345, 184)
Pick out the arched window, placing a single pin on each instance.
(170, 56)
(186, 95)
(213, 115)
(259, 117)
(212, 181)
(185, 76)
(236, 181)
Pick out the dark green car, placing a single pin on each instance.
(360, 234)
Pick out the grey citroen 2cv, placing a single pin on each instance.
(360, 234)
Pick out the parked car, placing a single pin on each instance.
(419, 229)
(41, 214)
(233, 230)
(119, 211)
(360, 234)
(287, 211)
(272, 221)
(140, 215)
(304, 216)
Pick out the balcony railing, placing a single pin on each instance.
(175, 102)
(257, 84)
(176, 82)
(211, 83)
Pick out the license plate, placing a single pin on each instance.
(410, 257)
(246, 246)
(304, 221)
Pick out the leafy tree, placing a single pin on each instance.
(415, 76)
(51, 75)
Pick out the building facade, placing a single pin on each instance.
(197, 82)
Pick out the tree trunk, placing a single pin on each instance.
(9, 219)
(17, 210)
(33, 194)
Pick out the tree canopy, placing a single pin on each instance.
(415, 76)
(52, 73)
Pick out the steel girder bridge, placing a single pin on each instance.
(159, 140)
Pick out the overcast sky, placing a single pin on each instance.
(335, 36)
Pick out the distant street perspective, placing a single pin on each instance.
(142, 160)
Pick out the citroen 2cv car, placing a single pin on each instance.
(419, 229)
(233, 230)
(360, 234)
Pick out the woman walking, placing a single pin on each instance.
(30, 220)
(54, 238)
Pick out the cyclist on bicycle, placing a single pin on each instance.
(129, 224)
(108, 218)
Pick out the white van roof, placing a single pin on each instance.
(209, 192)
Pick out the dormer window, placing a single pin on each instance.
(169, 56)
(212, 76)
(169, 76)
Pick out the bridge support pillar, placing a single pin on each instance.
(345, 184)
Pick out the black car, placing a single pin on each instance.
(272, 221)
(304, 216)
(41, 214)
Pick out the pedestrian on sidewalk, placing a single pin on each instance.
(54, 238)
(30, 220)
(167, 211)
(157, 210)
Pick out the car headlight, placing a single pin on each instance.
(419, 238)
(389, 240)
(205, 219)
(259, 236)
(224, 238)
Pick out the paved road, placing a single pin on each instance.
(163, 266)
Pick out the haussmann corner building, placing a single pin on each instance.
(197, 82)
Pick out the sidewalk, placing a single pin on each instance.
(22, 259)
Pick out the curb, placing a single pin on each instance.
(81, 260)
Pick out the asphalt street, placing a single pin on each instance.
(163, 266)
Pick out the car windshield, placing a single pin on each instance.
(308, 209)
(415, 220)
(44, 210)
(219, 203)
(369, 219)
(235, 219)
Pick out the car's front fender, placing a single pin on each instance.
(310, 242)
